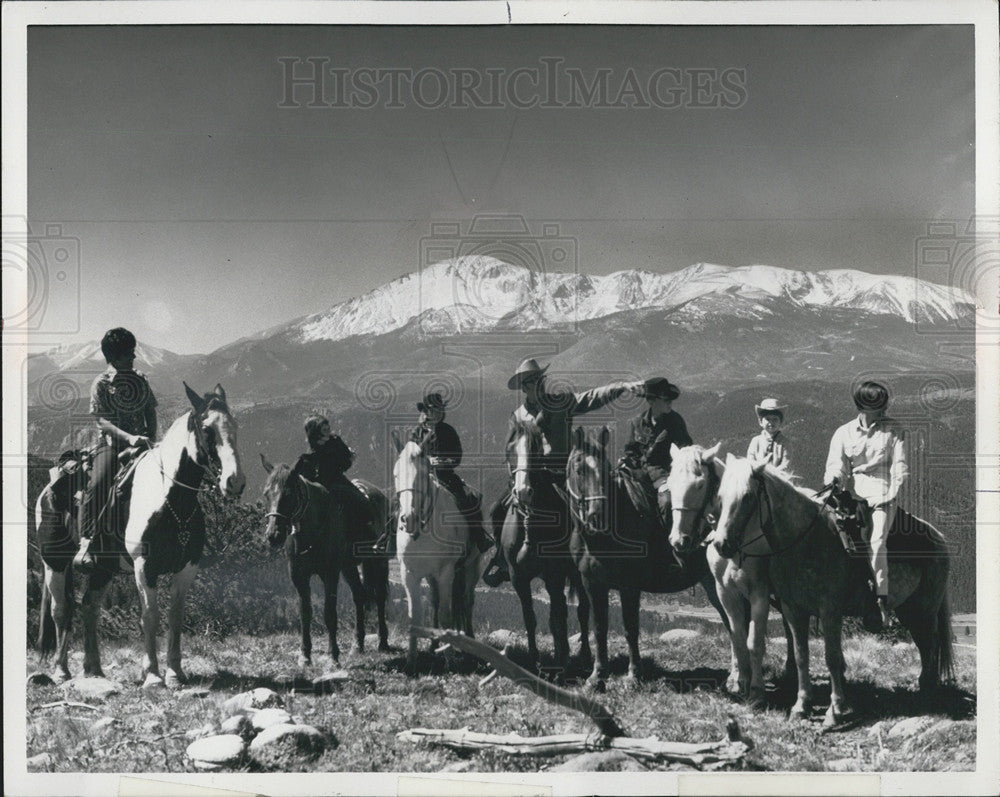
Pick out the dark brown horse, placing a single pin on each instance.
(614, 547)
(535, 543)
(310, 523)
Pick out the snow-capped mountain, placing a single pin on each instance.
(479, 294)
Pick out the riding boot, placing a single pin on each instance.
(497, 572)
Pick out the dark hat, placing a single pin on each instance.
(528, 369)
(660, 387)
(432, 401)
(870, 396)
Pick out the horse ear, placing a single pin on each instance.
(396, 442)
(578, 436)
(220, 392)
(193, 397)
(709, 454)
(674, 451)
(267, 465)
(605, 436)
(729, 458)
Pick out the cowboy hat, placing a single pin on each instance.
(432, 401)
(871, 396)
(770, 405)
(528, 369)
(660, 387)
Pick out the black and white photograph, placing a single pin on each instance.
(500, 397)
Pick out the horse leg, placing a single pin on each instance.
(446, 597)
(735, 606)
(598, 594)
(555, 585)
(790, 673)
(798, 622)
(90, 610)
(832, 644)
(522, 586)
(760, 605)
(179, 586)
(330, 584)
(584, 654)
(630, 619)
(150, 623)
(358, 593)
(435, 595)
(301, 583)
(923, 630)
(57, 594)
(414, 607)
(381, 598)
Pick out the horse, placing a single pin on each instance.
(614, 547)
(535, 542)
(743, 589)
(307, 519)
(57, 547)
(432, 543)
(164, 535)
(763, 514)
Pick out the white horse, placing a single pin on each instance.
(432, 543)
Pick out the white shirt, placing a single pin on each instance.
(869, 460)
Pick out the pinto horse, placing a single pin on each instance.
(164, 534)
(432, 543)
(309, 521)
(744, 589)
(762, 514)
(535, 542)
(615, 548)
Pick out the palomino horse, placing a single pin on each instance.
(763, 514)
(744, 590)
(615, 548)
(432, 543)
(164, 534)
(308, 520)
(535, 542)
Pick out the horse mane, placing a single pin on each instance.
(688, 462)
(588, 448)
(277, 478)
(773, 477)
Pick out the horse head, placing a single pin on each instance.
(284, 499)
(411, 477)
(693, 485)
(523, 451)
(588, 479)
(738, 501)
(214, 430)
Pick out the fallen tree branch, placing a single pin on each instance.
(603, 718)
(65, 704)
(706, 754)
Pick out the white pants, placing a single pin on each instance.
(882, 519)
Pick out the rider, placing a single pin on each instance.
(653, 433)
(868, 458)
(326, 462)
(125, 408)
(770, 446)
(553, 413)
(442, 445)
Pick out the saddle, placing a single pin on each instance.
(635, 483)
(116, 505)
(907, 535)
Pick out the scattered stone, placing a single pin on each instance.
(842, 765)
(153, 682)
(679, 634)
(92, 688)
(198, 733)
(908, 727)
(607, 761)
(371, 642)
(247, 702)
(102, 725)
(879, 727)
(280, 745)
(458, 766)
(501, 638)
(42, 761)
(215, 752)
(575, 639)
(266, 717)
(193, 692)
(40, 679)
(239, 725)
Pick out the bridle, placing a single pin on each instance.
(711, 490)
(583, 500)
(425, 510)
(302, 504)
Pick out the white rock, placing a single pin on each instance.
(247, 702)
(266, 717)
(41, 761)
(458, 766)
(371, 641)
(501, 638)
(679, 634)
(877, 728)
(216, 751)
(93, 688)
(300, 739)
(199, 733)
(842, 765)
(265, 698)
(238, 724)
(908, 727)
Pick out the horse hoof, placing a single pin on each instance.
(153, 681)
(174, 679)
(757, 700)
(383, 647)
(598, 685)
(631, 681)
(797, 715)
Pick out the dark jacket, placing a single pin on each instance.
(654, 436)
(444, 445)
(326, 465)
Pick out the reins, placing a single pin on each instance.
(711, 490)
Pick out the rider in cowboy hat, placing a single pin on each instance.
(125, 408)
(442, 445)
(868, 458)
(770, 445)
(653, 433)
(553, 413)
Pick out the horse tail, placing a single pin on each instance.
(946, 661)
(46, 625)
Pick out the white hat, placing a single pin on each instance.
(770, 405)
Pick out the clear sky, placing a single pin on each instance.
(205, 211)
